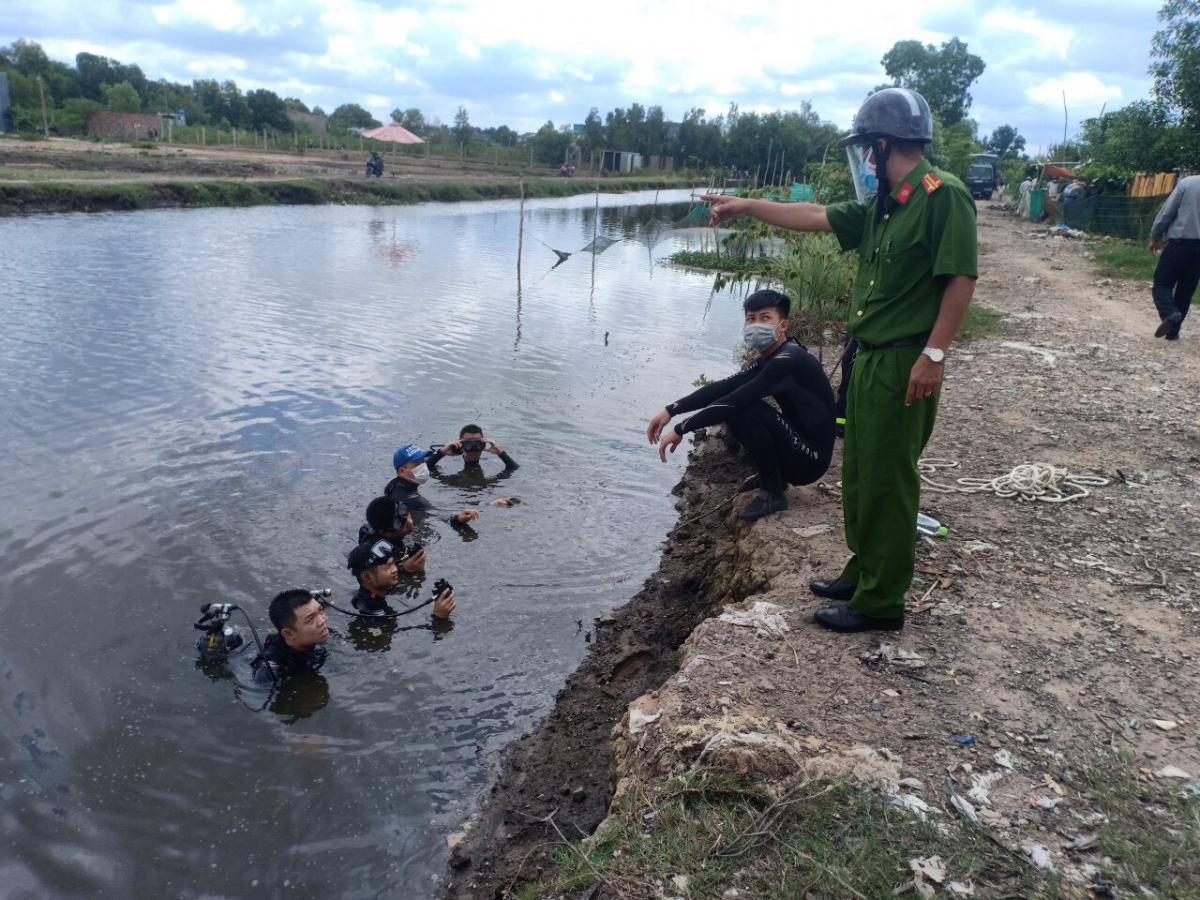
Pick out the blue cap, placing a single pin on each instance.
(406, 454)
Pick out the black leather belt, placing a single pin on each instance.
(899, 342)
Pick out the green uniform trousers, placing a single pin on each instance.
(881, 486)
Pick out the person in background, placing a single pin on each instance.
(1178, 271)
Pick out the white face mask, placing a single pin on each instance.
(420, 474)
(759, 337)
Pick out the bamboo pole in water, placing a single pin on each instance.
(521, 230)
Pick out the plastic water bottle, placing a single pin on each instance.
(930, 526)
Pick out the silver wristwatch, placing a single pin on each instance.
(938, 356)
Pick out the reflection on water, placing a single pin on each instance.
(196, 407)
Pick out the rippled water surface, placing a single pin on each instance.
(196, 406)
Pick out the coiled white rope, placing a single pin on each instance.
(1028, 481)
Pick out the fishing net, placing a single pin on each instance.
(599, 245)
(698, 217)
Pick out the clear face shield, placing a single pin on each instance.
(862, 170)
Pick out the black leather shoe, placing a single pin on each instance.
(750, 484)
(763, 505)
(837, 589)
(846, 620)
(1168, 323)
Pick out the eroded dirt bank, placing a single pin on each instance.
(1040, 637)
(564, 763)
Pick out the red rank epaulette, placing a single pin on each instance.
(905, 192)
(931, 183)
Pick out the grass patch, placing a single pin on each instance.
(1125, 259)
(1150, 840)
(819, 841)
(62, 197)
(833, 841)
(712, 261)
(980, 322)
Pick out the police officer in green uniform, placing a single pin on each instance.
(917, 252)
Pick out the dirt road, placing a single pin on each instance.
(1045, 636)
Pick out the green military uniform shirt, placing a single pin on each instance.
(927, 232)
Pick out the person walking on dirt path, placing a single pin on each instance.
(790, 443)
(917, 266)
(1178, 271)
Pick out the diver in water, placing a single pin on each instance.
(412, 471)
(373, 564)
(471, 446)
(375, 622)
(392, 521)
(298, 644)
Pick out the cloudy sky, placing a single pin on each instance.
(521, 62)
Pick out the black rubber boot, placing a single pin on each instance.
(763, 505)
(837, 589)
(846, 620)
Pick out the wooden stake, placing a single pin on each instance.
(521, 230)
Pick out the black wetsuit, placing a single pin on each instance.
(278, 661)
(436, 456)
(404, 491)
(790, 445)
(407, 492)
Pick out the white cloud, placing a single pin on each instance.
(1050, 38)
(1082, 89)
(218, 67)
(503, 60)
(556, 97)
(223, 15)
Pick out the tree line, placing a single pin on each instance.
(1160, 133)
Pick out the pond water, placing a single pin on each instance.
(196, 406)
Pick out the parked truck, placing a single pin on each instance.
(981, 177)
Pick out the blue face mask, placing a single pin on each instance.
(866, 171)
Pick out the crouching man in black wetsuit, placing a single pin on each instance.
(298, 644)
(412, 471)
(789, 445)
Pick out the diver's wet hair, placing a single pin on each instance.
(382, 514)
(469, 429)
(768, 299)
(284, 606)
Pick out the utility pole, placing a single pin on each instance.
(1064, 144)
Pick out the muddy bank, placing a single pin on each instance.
(563, 764)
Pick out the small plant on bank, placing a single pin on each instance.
(1125, 259)
(814, 839)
